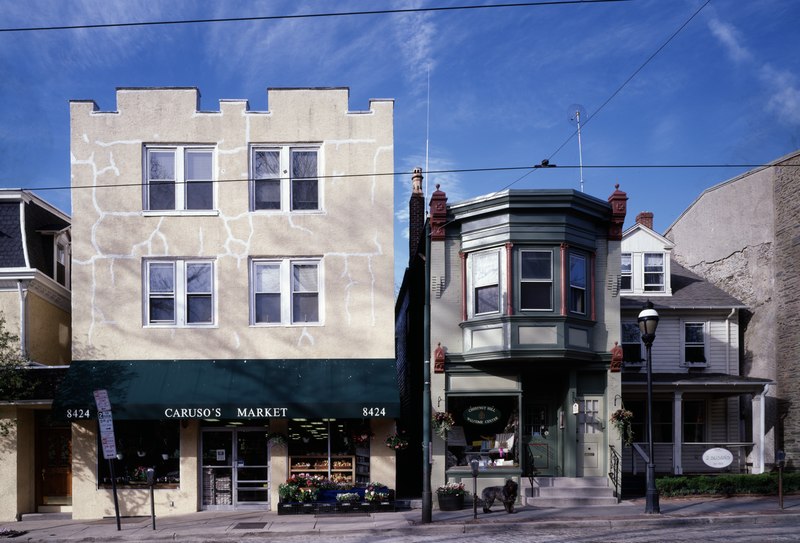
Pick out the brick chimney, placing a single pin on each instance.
(416, 213)
(645, 218)
(619, 207)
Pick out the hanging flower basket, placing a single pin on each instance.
(276, 438)
(442, 423)
(621, 419)
(394, 441)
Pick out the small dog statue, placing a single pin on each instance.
(506, 494)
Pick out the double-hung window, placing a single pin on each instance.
(577, 284)
(654, 272)
(179, 178)
(285, 178)
(285, 291)
(486, 282)
(626, 272)
(694, 343)
(536, 280)
(179, 292)
(631, 343)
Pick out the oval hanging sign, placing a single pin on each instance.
(482, 414)
(717, 457)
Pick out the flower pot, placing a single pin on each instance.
(450, 502)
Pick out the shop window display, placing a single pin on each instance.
(337, 450)
(486, 428)
(141, 445)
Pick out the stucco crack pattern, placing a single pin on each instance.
(352, 283)
(305, 335)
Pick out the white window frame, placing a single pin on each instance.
(475, 284)
(549, 280)
(685, 344)
(181, 183)
(179, 293)
(286, 179)
(662, 286)
(629, 273)
(61, 243)
(287, 290)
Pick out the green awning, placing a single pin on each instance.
(231, 389)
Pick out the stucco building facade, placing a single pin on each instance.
(750, 249)
(233, 275)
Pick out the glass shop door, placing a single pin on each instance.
(235, 468)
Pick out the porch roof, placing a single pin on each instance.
(713, 383)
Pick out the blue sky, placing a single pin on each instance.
(725, 90)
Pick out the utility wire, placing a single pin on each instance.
(616, 92)
(459, 170)
(311, 15)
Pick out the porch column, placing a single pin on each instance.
(677, 433)
(758, 431)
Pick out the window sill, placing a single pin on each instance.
(180, 213)
(180, 326)
(140, 486)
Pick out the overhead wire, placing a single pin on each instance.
(312, 15)
(447, 171)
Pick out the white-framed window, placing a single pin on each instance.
(179, 292)
(694, 343)
(284, 177)
(285, 291)
(577, 284)
(631, 343)
(654, 272)
(178, 178)
(485, 282)
(536, 280)
(626, 272)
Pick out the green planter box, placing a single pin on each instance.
(450, 502)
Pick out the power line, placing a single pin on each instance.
(619, 89)
(311, 15)
(457, 170)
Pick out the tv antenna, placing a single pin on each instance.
(577, 114)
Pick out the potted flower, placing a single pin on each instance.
(442, 423)
(394, 441)
(621, 420)
(451, 496)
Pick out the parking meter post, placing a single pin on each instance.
(151, 480)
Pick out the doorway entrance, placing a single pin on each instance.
(235, 468)
(591, 451)
(53, 464)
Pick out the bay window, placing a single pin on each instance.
(536, 280)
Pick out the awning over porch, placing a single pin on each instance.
(719, 384)
(231, 389)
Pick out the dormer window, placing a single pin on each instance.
(654, 272)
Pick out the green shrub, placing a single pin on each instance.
(727, 484)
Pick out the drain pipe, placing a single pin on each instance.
(23, 319)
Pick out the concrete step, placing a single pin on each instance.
(571, 482)
(574, 501)
(562, 492)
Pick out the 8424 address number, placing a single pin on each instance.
(373, 411)
(79, 413)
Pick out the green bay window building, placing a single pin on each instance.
(524, 315)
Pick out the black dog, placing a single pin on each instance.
(506, 494)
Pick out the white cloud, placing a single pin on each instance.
(784, 100)
(731, 40)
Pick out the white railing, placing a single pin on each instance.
(691, 458)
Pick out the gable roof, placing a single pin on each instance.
(640, 227)
(689, 291)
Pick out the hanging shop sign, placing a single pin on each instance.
(717, 457)
(482, 414)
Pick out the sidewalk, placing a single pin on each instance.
(240, 524)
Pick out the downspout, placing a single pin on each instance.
(23, 319)
(728, 350)
(427, 497)
(763, 432)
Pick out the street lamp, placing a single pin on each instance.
(648, 322)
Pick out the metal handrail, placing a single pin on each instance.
(614, 474)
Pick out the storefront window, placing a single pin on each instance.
(142, 445)
(337, 450)
(486, 428)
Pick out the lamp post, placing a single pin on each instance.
(648, 322)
